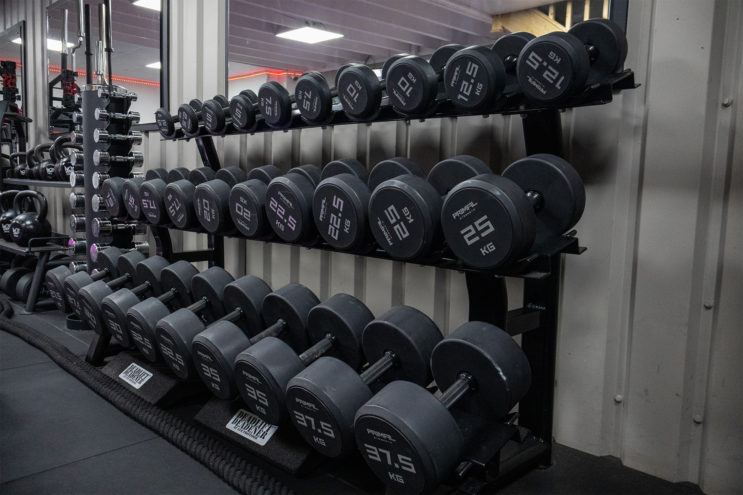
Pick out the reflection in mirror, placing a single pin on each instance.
(282, 39)
(135, 61)
(12, 100)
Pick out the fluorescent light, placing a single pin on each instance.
(56, 45)
(154, 65)
(18, 41)
(149, 4)
(309, 35)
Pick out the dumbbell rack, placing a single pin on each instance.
(505, 450)
(43, 247)
(115, 99)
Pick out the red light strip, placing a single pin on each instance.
(116, 78)
(263, 72)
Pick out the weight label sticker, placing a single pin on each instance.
(250, 426)
(135, 375)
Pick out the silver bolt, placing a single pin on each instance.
(727, 102)
(698, 419)
(618, 398)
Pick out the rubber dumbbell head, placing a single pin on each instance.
(114, 306)
(130, 191)
(216, 114)
(212, 203)
(275, 104)
(474, 78)
(152, 196)
(244, 110)
(492, 220)
(215, 349)
(91, 296)
(314, 98)
(323, 398)
(360, 91)
(408, 436)
(189, 115)
(141, 318)
(247, 202)
(413, 82)
(263, 370)
(289, 203)
(174, 332)
(508, 48)
(179, 197)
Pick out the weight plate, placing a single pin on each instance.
(404, 216)
(179, 201)
(140, 321)
(388, 63)
(113, 314)
(214, 117)
(174, 334)
(474, 78)
(608, 43)
(441, 56)
(391, 168)
(291, 305)
(111, 192)
(211, 202)
(247, 294)
(559, 186)
(210, 284)
(178, 277)
(499, 368)
(214, 351)
(165, 122)
(487, 221)
(552, 67)
(189, 119)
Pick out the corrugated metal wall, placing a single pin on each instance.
(649, 365)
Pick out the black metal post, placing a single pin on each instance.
(543, 132)
(39, 272)
(488, 298)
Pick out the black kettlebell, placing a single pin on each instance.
(29, 225)
(7, 213)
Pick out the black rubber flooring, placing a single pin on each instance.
(59, 437)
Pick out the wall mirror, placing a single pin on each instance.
(281, 39)
(136, 61)
(13, 83)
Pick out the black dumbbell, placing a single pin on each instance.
(106, 159)
(263, 370)
(323, 398)
(108, 263)
(314, 98)
(247, 202)
(340, 204)
(191, 115)
(409, 437)
(508, 48)
(275, 104)
(360, 91)
(491, 220)
(166, 123)
(212, 200)
(284, 314)
(130, 191)
(112, 195)
(289, 203)
(413, 84)
(142, 317)
(174, 332)
(92, 295)
(151, 279)
(555, 66)
(216, 114)
(77, 201)
(405, 212)
(152, 196)
(179, 197)
(244, 112)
